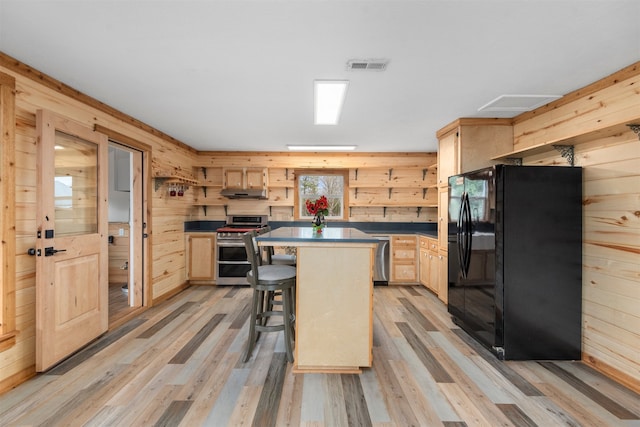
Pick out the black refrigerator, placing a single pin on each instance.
(515, 260)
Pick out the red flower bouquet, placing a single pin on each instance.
(318, 208)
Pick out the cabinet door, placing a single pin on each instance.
(234, 178)
(447, 157)
(424, 267)
(434, 272)
(443, 270)
(443, 218)
(201, 256)
(255, 178)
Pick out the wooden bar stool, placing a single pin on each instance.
(267, 281)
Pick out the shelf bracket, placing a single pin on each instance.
(204, 172)
(419, 209)
(390, 172)
(390, 190)
(424, 173)
(384, 211)
(424, 193)
(635, 128)
(350, 211)
(356, 193)
(356, 173)
(516, 161)
(286, 174)
(286, 192)
(204, 209)
(204, 190)
(566, 151)
(270, 214)
(225, 210)
(158, 182)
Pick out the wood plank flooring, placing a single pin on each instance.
(118, 303)
(179, 364)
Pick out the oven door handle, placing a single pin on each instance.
(230, 244)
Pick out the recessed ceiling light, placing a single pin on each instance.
(321, 147)
(329, 97)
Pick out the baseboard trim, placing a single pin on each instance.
(611, 372)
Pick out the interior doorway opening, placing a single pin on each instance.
(126, 287)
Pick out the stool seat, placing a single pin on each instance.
(273, 274)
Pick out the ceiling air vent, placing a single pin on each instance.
(367, 64)
(518, 103)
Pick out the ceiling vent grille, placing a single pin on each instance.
(518, 103)
(367, 64)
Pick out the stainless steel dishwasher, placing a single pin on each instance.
(381, 264)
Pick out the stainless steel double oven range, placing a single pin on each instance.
(232, 264)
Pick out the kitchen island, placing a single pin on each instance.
(334, 297)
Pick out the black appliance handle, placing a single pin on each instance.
(459, 235)
(468, 231)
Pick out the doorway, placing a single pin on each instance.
(125, 231)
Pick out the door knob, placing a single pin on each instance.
(51, 251)
(33, 251)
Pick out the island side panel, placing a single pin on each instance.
(334, 310)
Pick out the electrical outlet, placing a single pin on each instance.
(121, 232)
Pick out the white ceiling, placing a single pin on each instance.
(238, 75)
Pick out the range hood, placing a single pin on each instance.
(236, 193)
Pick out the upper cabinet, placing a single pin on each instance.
(469, 144)
(245, 178)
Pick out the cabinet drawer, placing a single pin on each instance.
(404, 240)
(404, 253)
(404, 273)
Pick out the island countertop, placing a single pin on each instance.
(306, 235)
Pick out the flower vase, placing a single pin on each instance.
(318, 223)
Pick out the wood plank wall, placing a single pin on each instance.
(611, 216)
(383, 187)
(34, 91)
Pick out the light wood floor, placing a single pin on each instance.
(179, 364)
(118, 303)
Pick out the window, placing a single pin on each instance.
(311, 184)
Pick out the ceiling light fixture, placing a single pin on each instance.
(321, 147)
(329, 97)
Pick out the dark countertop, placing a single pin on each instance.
(428, 229)
(306, 234)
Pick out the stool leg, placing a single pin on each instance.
(286, 306)
(256, 305)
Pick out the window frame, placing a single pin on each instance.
(324, 172)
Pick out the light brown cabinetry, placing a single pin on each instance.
(404, 259)
(429, 265)
(469, 144)
(443, 276)
(464, 145)
(201, 256)
(245, 178)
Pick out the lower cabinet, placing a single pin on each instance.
(201, 256)
(429, 264)
(404, 259)
(443, 276)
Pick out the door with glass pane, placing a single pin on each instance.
(71, 248)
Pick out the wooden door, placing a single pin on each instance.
(201, 250)
(256, 179)
(234, 178)
(71, 248)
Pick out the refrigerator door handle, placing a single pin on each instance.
(468, 231)
(460, 235)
